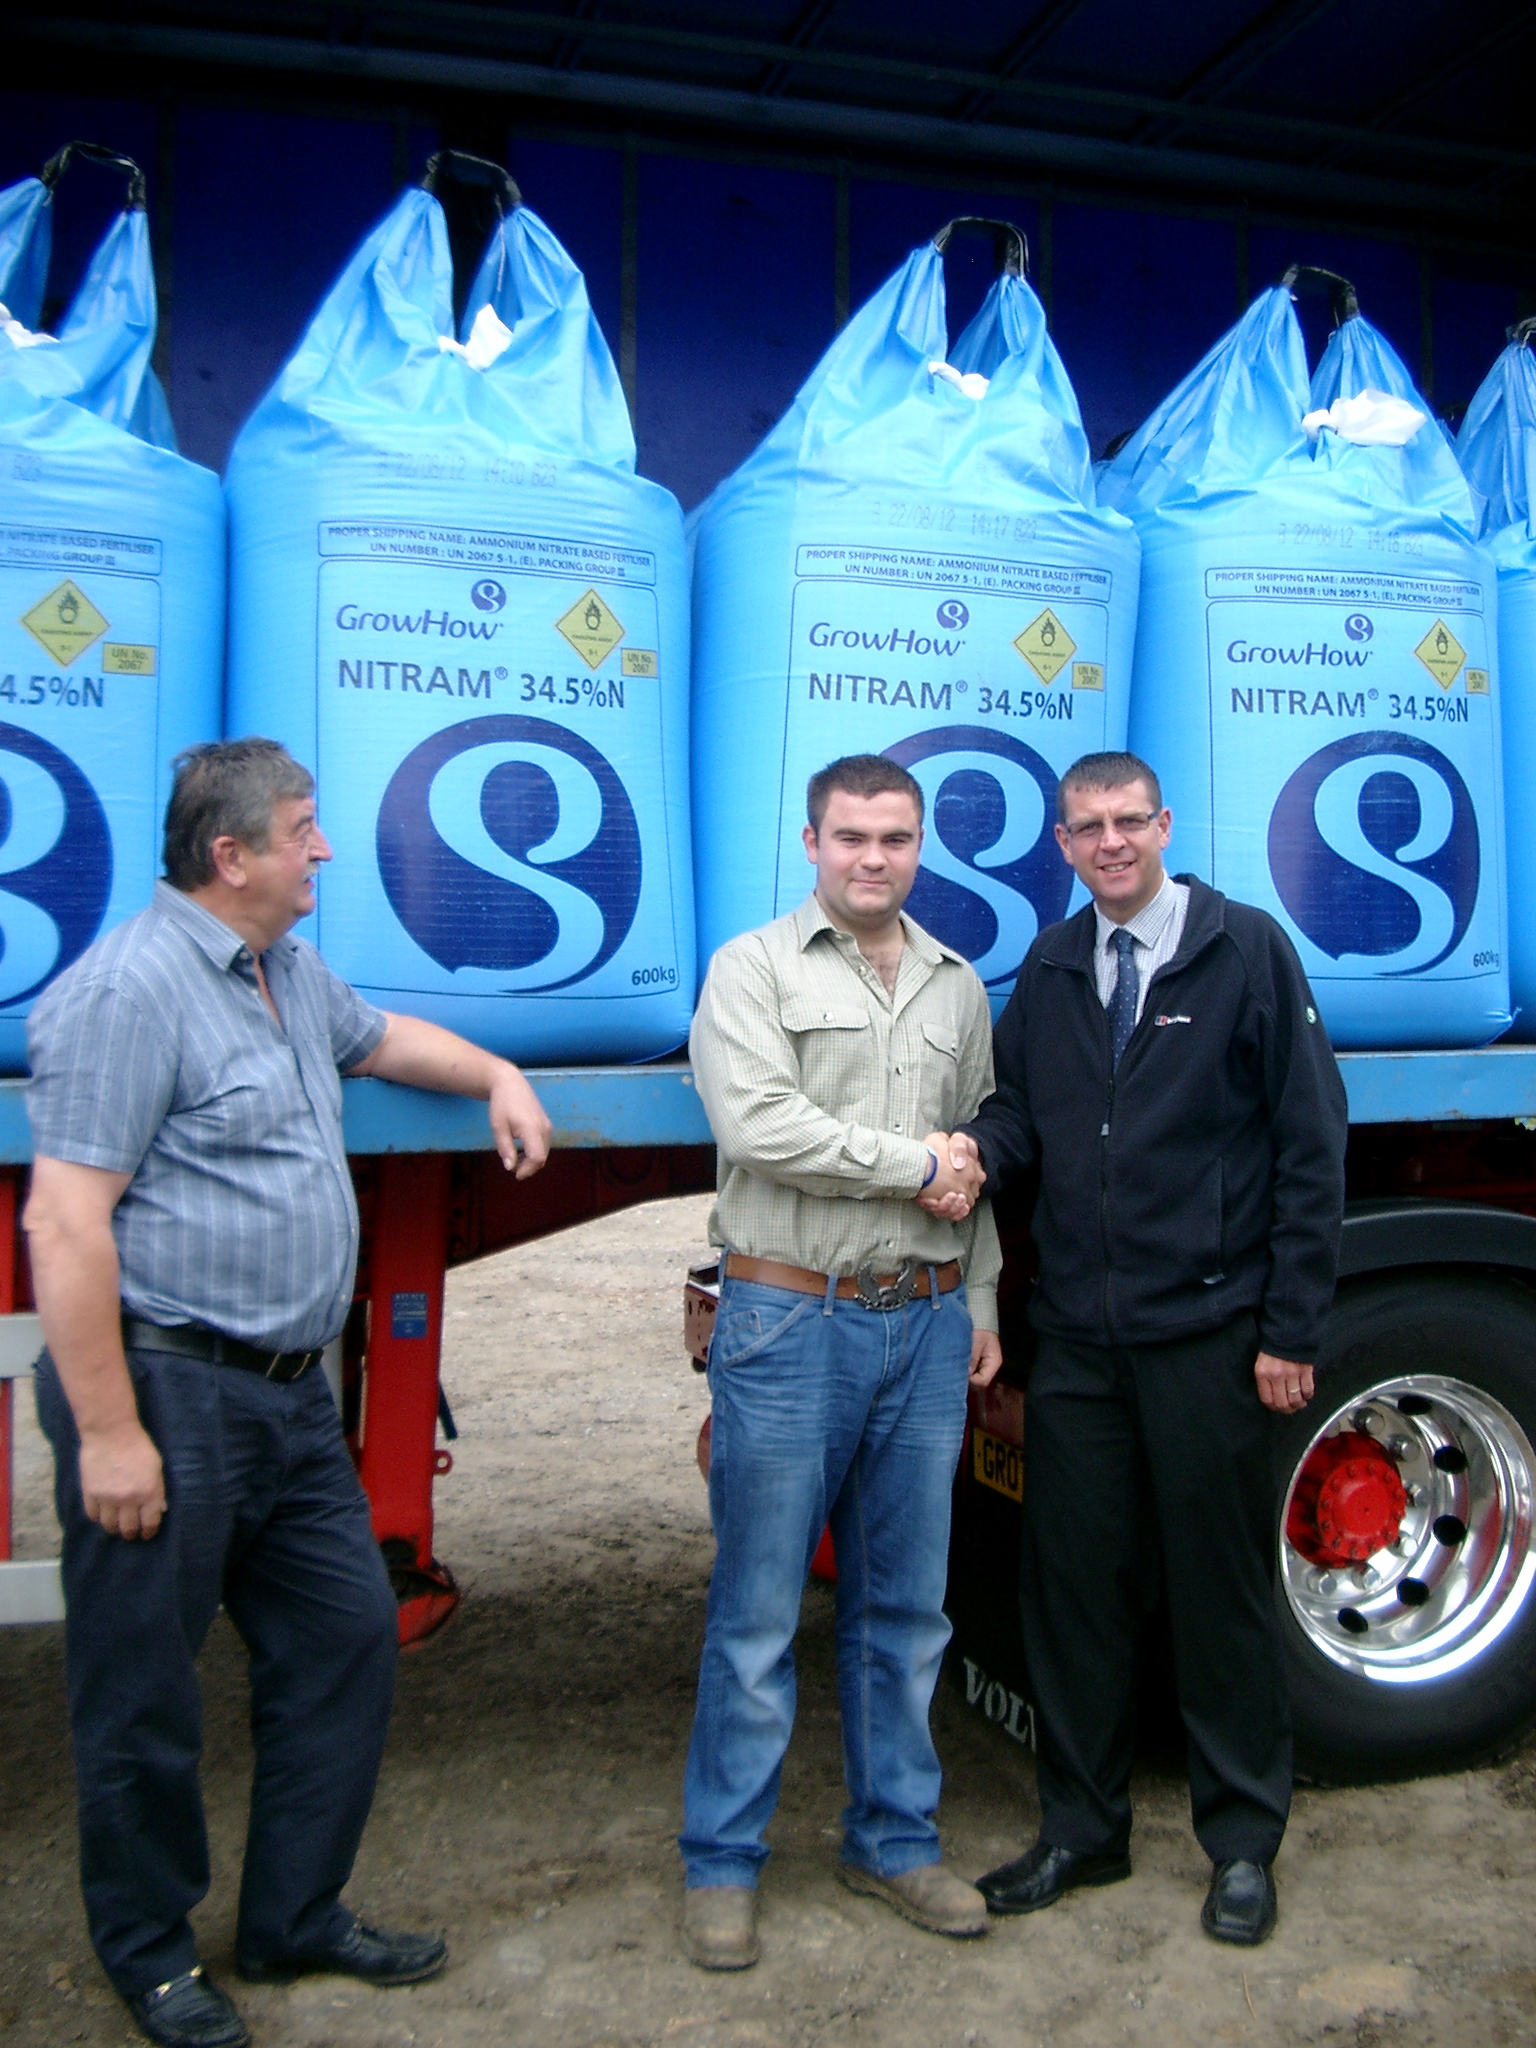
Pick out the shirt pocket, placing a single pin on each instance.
(938, 1079)
(832, 1042)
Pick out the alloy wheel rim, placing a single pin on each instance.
(1461, 1567)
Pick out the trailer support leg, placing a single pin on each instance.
(399, 1457)
(8, 1188)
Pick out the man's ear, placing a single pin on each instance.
(808, 840)
(1064, 843)
(228, 856)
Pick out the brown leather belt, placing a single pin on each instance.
(876, 1291)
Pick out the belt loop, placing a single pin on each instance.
(933, 1288)
(831, 1294)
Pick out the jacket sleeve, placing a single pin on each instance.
(748, 1077)
(1309, 1127)
(1003, 1127)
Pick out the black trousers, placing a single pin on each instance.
(265, 1514)
(1167, 1442)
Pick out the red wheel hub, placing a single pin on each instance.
(1348, 1501)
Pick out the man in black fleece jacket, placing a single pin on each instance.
(1162, 1066)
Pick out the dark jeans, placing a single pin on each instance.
(1172, 1441)
(266, 1515)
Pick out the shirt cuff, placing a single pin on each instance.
(902, 1164)
(982, 1300)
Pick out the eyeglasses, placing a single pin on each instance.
(1130, 825)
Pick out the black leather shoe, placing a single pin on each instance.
(1040, 1876)
(189, 2012)
(1240, 1905)
(365, 1952)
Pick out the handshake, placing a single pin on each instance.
(954, 1189)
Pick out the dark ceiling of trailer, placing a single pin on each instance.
(1384, 107)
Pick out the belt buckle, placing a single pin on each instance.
(884, 1299)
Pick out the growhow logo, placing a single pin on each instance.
(55, 863)
(1373, 846)
(509, 844)
(350, 618)
(992, 875)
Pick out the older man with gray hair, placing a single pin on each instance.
(194, 1236)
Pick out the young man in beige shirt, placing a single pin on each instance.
(834, 1050)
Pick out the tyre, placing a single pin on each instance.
(1407, 1582)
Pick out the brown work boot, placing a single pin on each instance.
(929, 1896)
(720, 1926)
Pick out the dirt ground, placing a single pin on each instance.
(531, 1792)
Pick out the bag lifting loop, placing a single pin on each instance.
(1010, 248)
(472, 170)
(1308, 277)
(96, 153)
(1523, 330)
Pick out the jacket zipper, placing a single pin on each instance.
(1109, 1111)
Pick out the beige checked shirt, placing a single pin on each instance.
(820, 1088)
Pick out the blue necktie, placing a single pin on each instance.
(1122, 1004)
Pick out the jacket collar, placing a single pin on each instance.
(1071, 943)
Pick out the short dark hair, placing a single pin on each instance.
(1107, 771)
(226, 786)
(859, 775)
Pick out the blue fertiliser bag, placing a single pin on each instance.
(912, 563)
(26, 241)
(1316, 674)
(1497, 447)
(111, 602)
(454, 599)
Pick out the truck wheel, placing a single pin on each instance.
(1407, 1581)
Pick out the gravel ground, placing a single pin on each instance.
(531, 1792)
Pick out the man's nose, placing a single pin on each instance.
(320, 846)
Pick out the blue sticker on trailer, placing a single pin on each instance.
(408, 1315)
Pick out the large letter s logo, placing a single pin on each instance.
(509, 844)
(1373, 846)
(992, 874)
(55, 863)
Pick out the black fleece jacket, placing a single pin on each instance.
(1206, 1175)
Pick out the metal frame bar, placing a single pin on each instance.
(656, 1107)
(1454, 64)
(31, 1591)
(1039, 30)
(1236, 60)
(474, 71)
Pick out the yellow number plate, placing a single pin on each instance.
(998, 1464)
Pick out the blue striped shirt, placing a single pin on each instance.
(154, 1055)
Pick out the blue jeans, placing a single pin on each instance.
(826, 1412)
(264, 1513)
